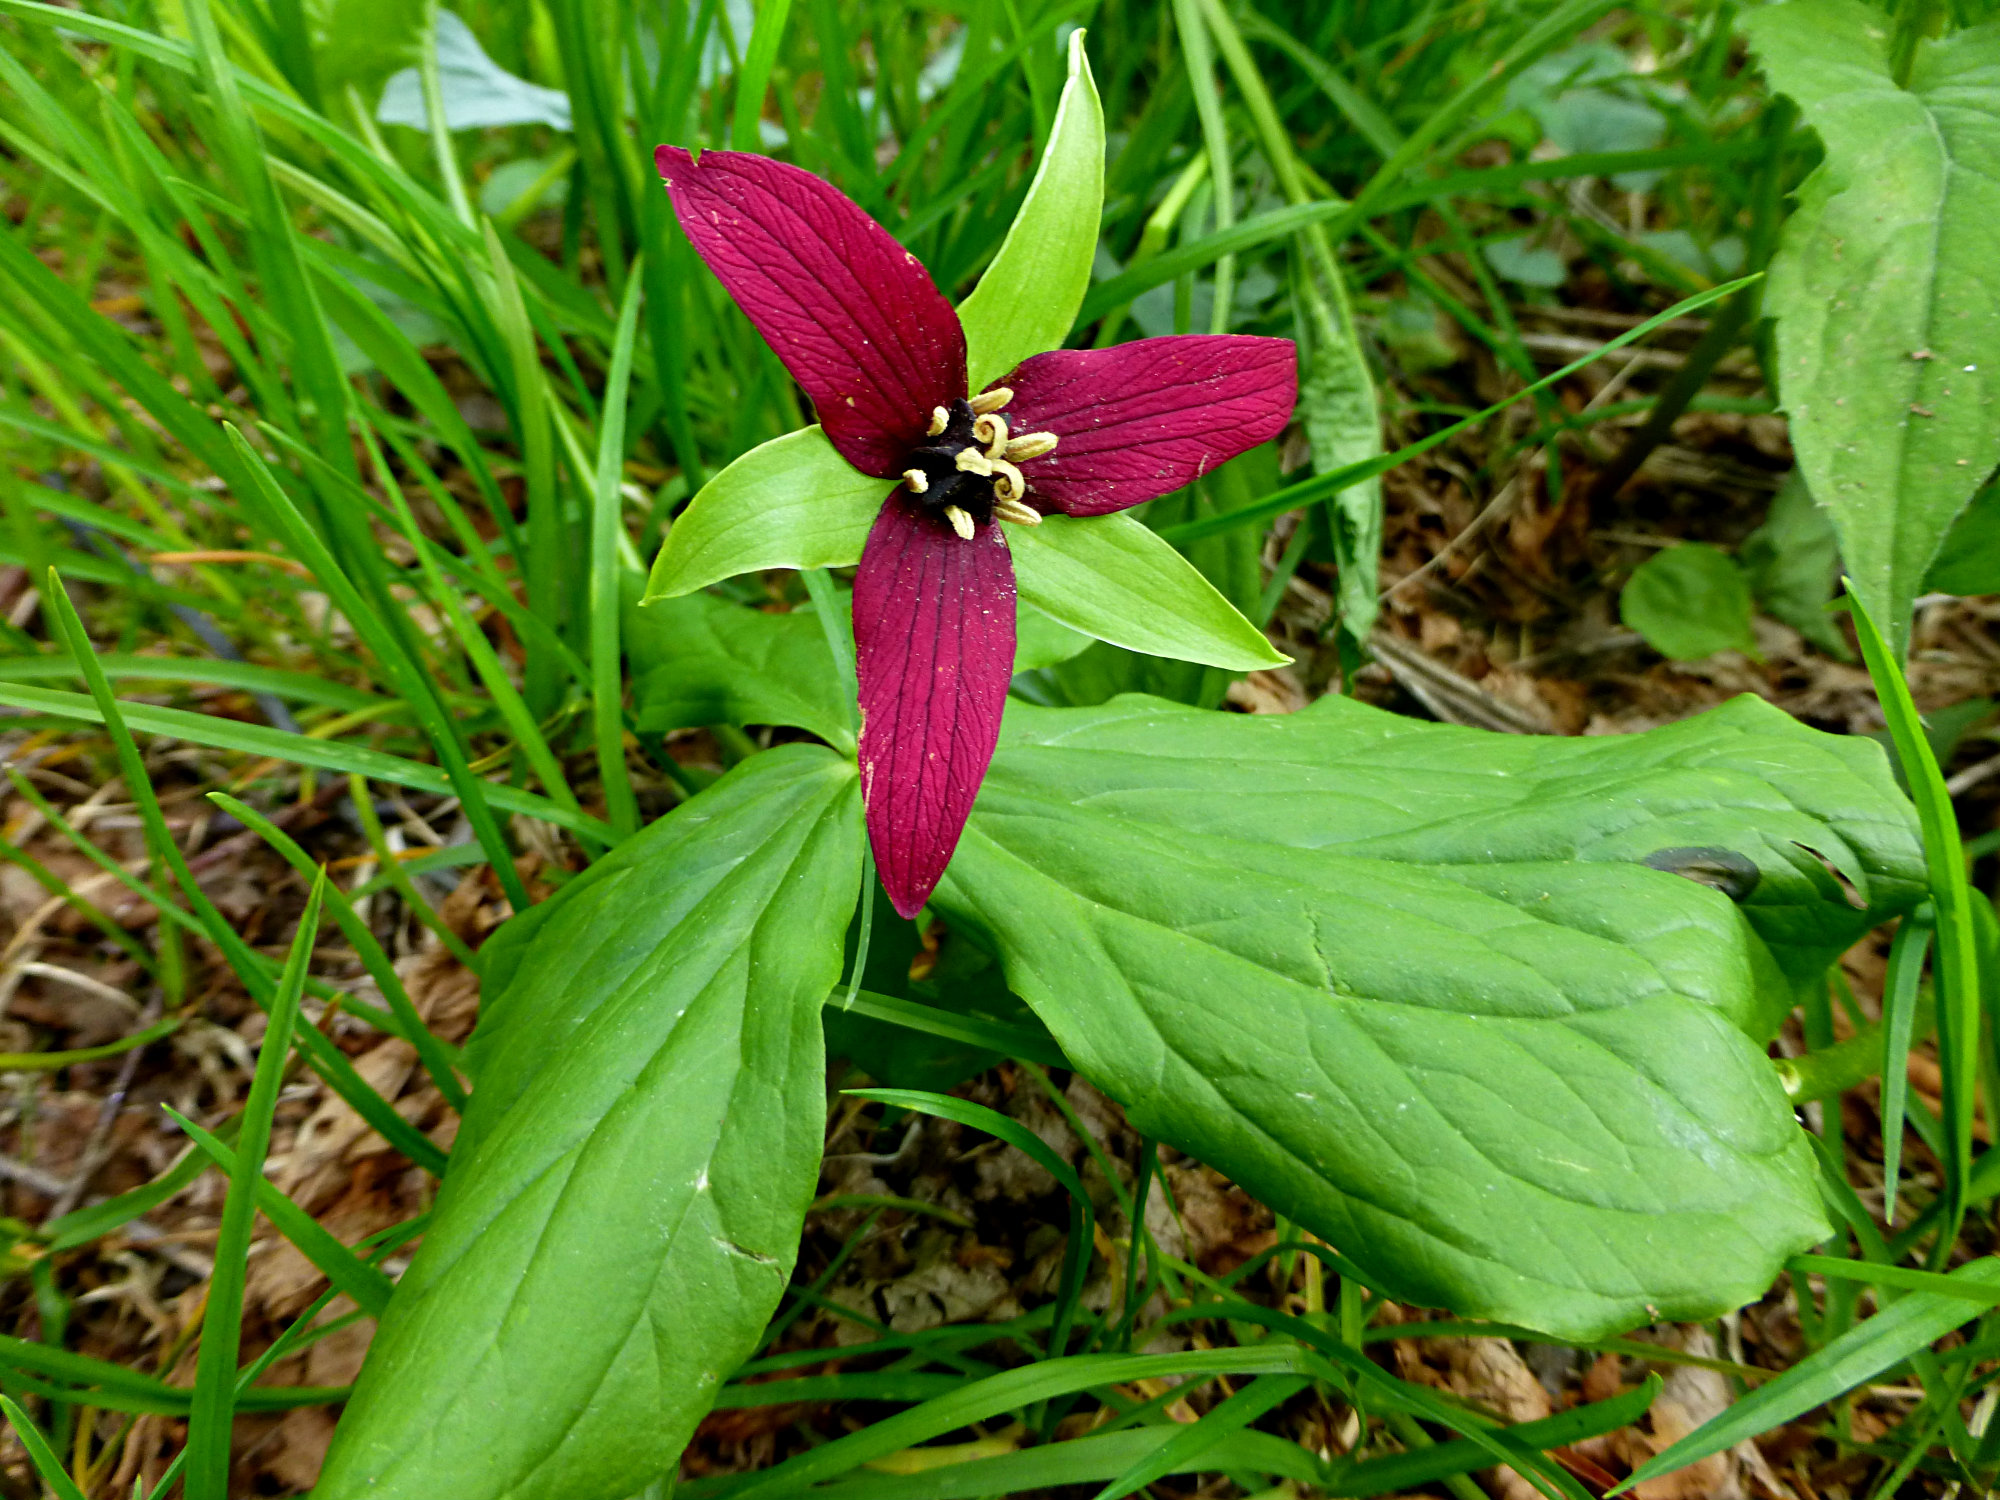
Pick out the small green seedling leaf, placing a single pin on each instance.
(1689, 602)
(1111, 578)
(791, 503)
(1029, 296)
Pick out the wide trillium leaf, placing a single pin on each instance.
(1415, 986)
(1111, 578)
(1029, 296)
(1141, 420)
(1885, 286)
(933, 651)
(701, 660)
(853, 315)
(626, 1191)
(790, 503)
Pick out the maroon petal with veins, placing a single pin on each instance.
(1142, 420)
(934, 651)
(854, 316)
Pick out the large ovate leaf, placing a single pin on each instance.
(625, 1194)
(790, 503)
(1111, 578)
(1885, 286)
(1417, 987)
(1029, 296)
(700, 660)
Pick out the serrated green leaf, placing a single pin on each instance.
(1029, 296)
(1414, 986)
(1689, 602)
(626, 1192)
(791, 503)
(1884, 285)
(1111, 578)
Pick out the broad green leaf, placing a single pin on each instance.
(1415, 987)
(1884, 285)
(1029, 296)
(1857, 1356)
(626, 1191)
(1744, 780)
(1969, 560)
(1689, 602)
(1111, 578)
(700, 660)
(791, 503)
(478, 93)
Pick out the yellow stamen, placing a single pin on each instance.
(1007, 481)
(960, 522)
(940, 419)
(914, 478)
(991, 400)
(972, 462)
(1013, 510)
(1030, 445)
(992, 431)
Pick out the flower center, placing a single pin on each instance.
(965, 474)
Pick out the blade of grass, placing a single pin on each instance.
(1083, 1216)
(42, 1062)
(1179, 1452)
(755, 76)
(1958, 959)
(348, 1272)
(396, 873)
(606, 682)
(411, 683)
(437, 1057)
(1320, 486)
(1899, 990)
(324, 755)
(40, 1454)
(1857, 1356)
(214, 1401)
(327, 1060)
(1199, 59)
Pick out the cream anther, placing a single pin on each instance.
(1013, 510)
(992, 431)
(960, 522)
(972, 461)
(1007, 481)
(940, 419)
(991, 400)
(914, 478)
(1030, 445)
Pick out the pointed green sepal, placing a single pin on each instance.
(1029, 296)
(792, 503)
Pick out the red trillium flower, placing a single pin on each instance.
(861, 327)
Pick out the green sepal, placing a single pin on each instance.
(1110, 577)
(794, 502)
(1029, 296)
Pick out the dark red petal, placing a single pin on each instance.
(934, 651)
(1145, 419)
(853, 315)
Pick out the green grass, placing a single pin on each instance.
(242, 320)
